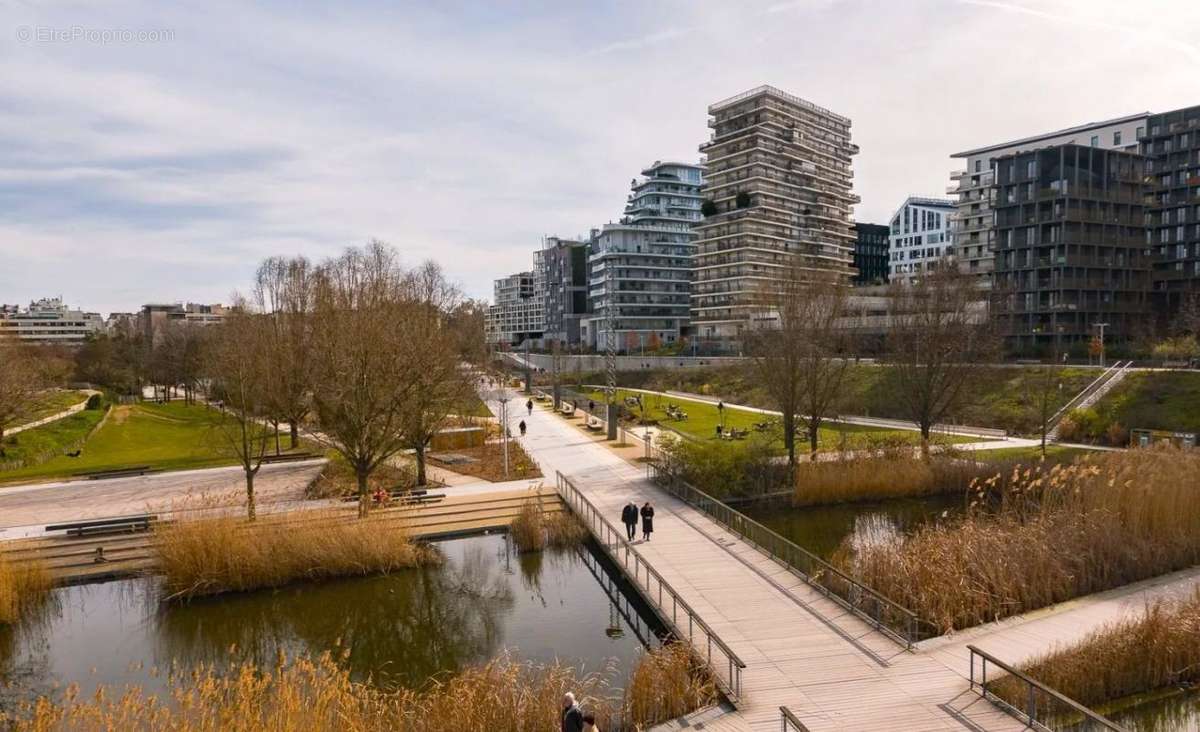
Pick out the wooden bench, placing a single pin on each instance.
(118, 472)
(114, 525)
(567, 409)
(594, 423)
(288, 457)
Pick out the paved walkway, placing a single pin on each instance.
(801, 650)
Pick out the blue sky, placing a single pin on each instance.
(165, 170)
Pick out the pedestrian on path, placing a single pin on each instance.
(647, 521)
(529, 406)
(572, 717)
(522, 428)
(629, 517)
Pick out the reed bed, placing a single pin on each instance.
(24, 587)
(1038, 536)
(317, 695)
(1152, 650)
(891, 472)
(669, 683)
(225, 553)
(534, 530)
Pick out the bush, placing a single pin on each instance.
(1117, 435)
(1068, 429)
(741, 468)
(95, 401)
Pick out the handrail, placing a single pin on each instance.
(1088, 390)
(653, 587)
(789, 723)
(1030, 714)
(888, 616)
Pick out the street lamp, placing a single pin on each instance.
(503, 398)
(721, 414)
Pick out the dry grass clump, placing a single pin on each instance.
(24, 586)
(207, 556)
(534, 530)
(669, 682)
(1036, 537)
(1152, 650)
(319, 696)
(892, 471)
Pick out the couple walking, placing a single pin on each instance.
(629, 517)
(575, 719)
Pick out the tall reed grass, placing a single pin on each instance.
(669, 683)
(317, 695)
(534, 529)
(887, 471)
(212, 555)
(1039, 536)
(1148, 651)
(24, 586)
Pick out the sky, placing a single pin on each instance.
(156, 152)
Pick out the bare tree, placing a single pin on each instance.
(440, 387)
(363, 383)
(1047, 395)
(239, 373)
(939, 339)
(21, 378)
(800, 363)
(283, 293)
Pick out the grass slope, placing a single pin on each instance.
(1167, 400)
(52, 402)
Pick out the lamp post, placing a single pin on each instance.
(1101, 326)
(503, 398)
(721, 414)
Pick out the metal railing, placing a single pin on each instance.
(679, 617)
(1031, 701)
(887, 616)
(789, 723)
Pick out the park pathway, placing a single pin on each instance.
(801, 650)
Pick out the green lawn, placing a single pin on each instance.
(172, 436)
(1155, 400)
(1055, 453)
(703, 418)
(52, 402)
(48, 440)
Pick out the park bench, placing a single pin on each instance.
(734, 434)
(118, 472)
(114, 525)
(288, 457)
(631, 402)
(594, 423)
(567, 409)
(676, 413)
(764, 426)
(405, 497)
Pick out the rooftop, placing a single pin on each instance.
(1057, 133)
(772, 91)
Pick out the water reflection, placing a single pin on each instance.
(403, 629)
(1173, 711)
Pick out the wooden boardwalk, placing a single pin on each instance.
(801, 650)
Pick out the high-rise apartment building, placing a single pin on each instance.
(974, 234)
(777, 193)
(1172, 143)
(641, 266)
(517, 311)
(919, 237)
(1070, 255)
(562, 272)
(870, 254)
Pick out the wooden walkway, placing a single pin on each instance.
(801, 650)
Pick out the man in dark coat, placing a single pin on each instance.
(629, 517)
(572, 717)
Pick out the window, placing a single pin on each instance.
(1141, 132)
(1095, 140)
(1116, 137)
(1031, 169)
(978, 165)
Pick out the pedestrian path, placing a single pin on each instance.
(803, 651)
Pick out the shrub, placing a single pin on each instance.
(896, 472)
(534, 530)
(95, 401)
(1117, 435)
(1068, 429)
(725, 468)
(24, 586)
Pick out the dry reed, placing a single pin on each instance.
(893, 471)
(1035, 537)
(206, 556)
(24, 586)
(534, 529)
(318, 696)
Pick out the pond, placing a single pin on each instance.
(821, 529)
(400, 629)
(1173, 711)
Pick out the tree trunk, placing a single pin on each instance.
(364, 497)
(814, 434)
(251, 513)
(420, 453)
(789, 437)
(277, 439)
(295, 435)
(925, 441)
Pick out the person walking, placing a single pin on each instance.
(629, 517)
(647, 521)
(529, 406)
(572, 717)
(589, 723)
(522, 428)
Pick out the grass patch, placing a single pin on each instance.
(1054, 454)
(30, 452)
(24, 587)
(209, 556)
(1037, 536)
(53, 402)
(1168, 400)
(534, 530)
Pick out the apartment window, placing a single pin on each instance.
(978, 165)
(1095, 140)
(1031, 169)
(1141, 132)
(1116, 137)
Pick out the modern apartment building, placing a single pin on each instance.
(154, 316)
(870, 254)
(919, 237)
(561, 267)
(1070, 254)
(641, 266)
(974, 233)
(1172, 142)
(777, 192)
(48, 321)
(517, 312)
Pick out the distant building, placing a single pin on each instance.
(561, 268)
(48, 321)
(517, 312)
(871, 254)
(1172, 143)
(124, 323)
(641, 266)
(154, 316)
(919, 238)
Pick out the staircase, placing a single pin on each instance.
(1091, 394)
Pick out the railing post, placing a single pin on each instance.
(1031, 707)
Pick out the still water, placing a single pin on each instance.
(1177, 711)
(400, 629)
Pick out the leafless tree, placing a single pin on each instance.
(283, 293)
(239, 373)
(21, 378)
(939, 339)
(1187, 319)
(801, 362)
(363, 350)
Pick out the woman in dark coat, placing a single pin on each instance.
(647, 520)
